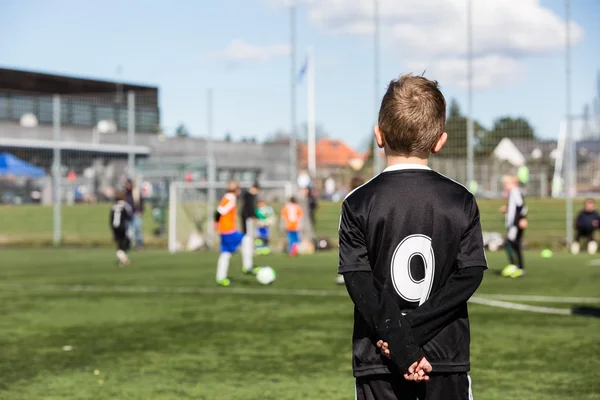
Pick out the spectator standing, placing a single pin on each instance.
(136, 201)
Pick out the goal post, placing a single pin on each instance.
(192, 206)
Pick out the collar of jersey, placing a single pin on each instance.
(401, 167)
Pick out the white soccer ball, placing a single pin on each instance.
(265, 275)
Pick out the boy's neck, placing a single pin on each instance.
(395, 160)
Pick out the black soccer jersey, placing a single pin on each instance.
(120, 214)
(418, 232)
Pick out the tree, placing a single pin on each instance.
(513, 128)
(454, 109)
(182, 131)
(456, 127)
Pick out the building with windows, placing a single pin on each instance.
(94, 118)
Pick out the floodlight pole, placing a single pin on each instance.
(131, 133)
(470, 127)
(570, 159)
(56, 173)
(377, 161)
(210, 165)
(293, 136)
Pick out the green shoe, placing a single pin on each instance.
(251, 271)
(518, 273)
(509, 270)
(224, 282)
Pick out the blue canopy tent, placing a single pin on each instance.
(14, 166)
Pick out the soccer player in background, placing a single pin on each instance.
(516, 223)
(355, 182)
(249, 209)
(264, 217)
(231, 237)
(586, 224)
(412, 254)
(120, 215)
(292, 214)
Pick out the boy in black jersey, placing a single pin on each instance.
(411, 253)
(516, 223)
(120, 214)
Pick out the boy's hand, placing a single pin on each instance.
(523, 223)
(384, 349)
(418, 370)
(503, 209)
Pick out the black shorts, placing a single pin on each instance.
(455, 386)
(585, 233)
(120, 237)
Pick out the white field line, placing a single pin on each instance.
(543, 299)
(175, 289)
(520, 307)
(480, 299)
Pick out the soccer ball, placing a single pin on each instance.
(265, 275)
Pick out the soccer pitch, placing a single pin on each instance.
(87, 224)
(74, 326)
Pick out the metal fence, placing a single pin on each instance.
(72, 153)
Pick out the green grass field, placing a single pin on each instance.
(87, 225)
(161, 329)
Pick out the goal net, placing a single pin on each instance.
(192, 206)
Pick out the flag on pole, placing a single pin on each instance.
(303, 71)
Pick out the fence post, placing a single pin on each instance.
(56, 174)
(131, 133)
(211, 167)
(172, 217)
(543, 185)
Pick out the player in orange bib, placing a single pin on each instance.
(231, 237)
(292, 216)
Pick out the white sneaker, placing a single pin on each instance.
(123, 259)
(575, 248)
(592, 247)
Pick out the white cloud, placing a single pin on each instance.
(239, 51)
(432, 34)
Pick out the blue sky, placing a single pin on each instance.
(187, 48)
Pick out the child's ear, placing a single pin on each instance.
(439, 143)
(379, 137)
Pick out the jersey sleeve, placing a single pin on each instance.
(353, 255)
(472, 252)
(226, 205)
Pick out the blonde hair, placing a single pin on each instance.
(232, 186)
(412, 116)
(510, 179)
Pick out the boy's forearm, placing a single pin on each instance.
(445, 305)
(384, 317)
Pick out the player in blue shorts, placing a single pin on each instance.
(231, 237)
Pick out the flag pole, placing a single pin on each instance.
(310, 98)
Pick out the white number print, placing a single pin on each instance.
(406, 286)
(117, 218)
